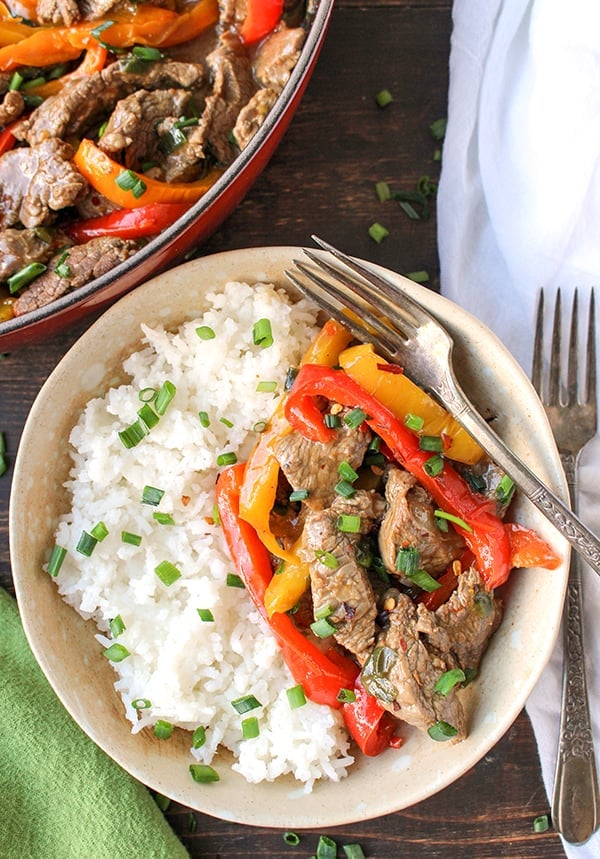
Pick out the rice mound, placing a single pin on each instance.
(188, 669)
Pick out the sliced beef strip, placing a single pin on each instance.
(85, 262)
(277, 56)
(133, 123)
(313, 466)
(11, 107)
(58, 12)
(409, 521)
(464, 624)
(403, 669)
(232, 12)
(252, 116)
(345, 591)
(232, 88)
(20, 247)
(77, 108)
(36, 181)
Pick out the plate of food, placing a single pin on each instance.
(262, 626)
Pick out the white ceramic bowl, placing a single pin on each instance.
(69, 655)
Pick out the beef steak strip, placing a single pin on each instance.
(20, 247)
(277, 55)
(11, 107)
(252, 116)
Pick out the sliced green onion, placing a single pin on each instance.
(450, 517)
(204, 419)
(146, 395)
(3, 463)
(205, 615)
(438, 128)
(132, 435)
(296, 697)
(348, 523)
(434, 465)
(299, 495)
(229, 458)
(291, 838)
(152, 496)
(442, 731)
(383, 98)
(86, 544)
(167, 573)
(203, 773)
(346, 472)
(477, 482)
(15, 81)
(24, 276)
(245, 704)
(324, 611)
(171, 140)
(433, 443)
(423, 580)
(345, 489)
(382, 189)
(164, 396)
(353, 851)
(97, 32)
(162, 801)
(192, 822)
(409, 210)
(99, 531)
(413, 422)
(163, 729)
(215, 515)
(346, 696)
(378, 232)
(199, 737)
(354, 418)
(250, 728)
(421, 276)
(322, 628)
(148, 416)
(448, 680)
(116, 652)
(57, 557)
(234, 581)
(62, 268)
(326, 848)
(144, 52)
(141, 703)
(266, 387)
(205, 332)
(327, 558)
(332, 421)
(407, 560)
(260, 426)
(127, 180)
(163, 518)
(117, 626)
(262, 333)
(541, 823)
(131, 539)
(226, 422)
(505, 489)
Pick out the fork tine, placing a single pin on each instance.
(554, 378)
(538, 347)
(573, 352)
(590, 382)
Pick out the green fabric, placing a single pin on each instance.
(61, 797)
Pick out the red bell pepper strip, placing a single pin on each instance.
(262, 16)
(7, 138)
(369, 723)
(128, 223)
(486, 536)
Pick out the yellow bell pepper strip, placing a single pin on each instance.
(93, 61)
(131, 190)
(402, 397)
(478, 523)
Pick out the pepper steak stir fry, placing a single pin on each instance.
(115, 117)
(369, 529)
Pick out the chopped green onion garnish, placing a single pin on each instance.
(144, 52)
(441, 514)
(164, 396)
(86, 544)
(162, 801)
(192, 822)
(505, 489)
(346, 472)
(322, 628)
(409, 210)
(99, 531)
(24, 276)
(348, 523)
(442, 731)
(205, 615)
(433, 443)
(541, 823)
(413, 422)
(353, 851)
(57, 557)
(327, 559)
(226, 422)
(421, 276)
(62, 268)
(324, 611)
(438, 128)
(245, 704)
(146, 395)
(266, 387)
(299, 495)
(345, 489)
(382, 189)
(151, 495)
(204, 419)
(262, 333)
(291, 838)
(15, 81)
(3, 463)
(383, 98)
(141, 703)
(378, 232)
(250, 728)
(163, 518)
(167, 573)
(127, 180)
(296, 697)
(116, 652)
(448, 680)
(260, 426)
(205, 332)
(215, 515)
(234, 581)
(131, 539)
(326, 848)
(229, 458)
(203, 773)
(133, 434)
(163, 729)
(199, 737)
(423, 580)
(354, 418)
(117, 626)
(332, 421)
(148, 416)
(346, 696)
(97, 32)
(407, 560)
(434, 465)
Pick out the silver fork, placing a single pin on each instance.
(404, 332)
(573, 415)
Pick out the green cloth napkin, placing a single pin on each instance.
(61, 797)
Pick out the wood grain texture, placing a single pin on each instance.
(321, 180)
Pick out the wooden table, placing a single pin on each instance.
(322, 180)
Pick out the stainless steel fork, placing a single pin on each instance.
(572, 410)
(381, 312)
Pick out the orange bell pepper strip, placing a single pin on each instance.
(93, 61)
(528, 549)
(104, 174)
(191, 24)
(396, 391)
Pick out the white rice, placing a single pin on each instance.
(188, 669)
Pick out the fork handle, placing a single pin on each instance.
(562, 517)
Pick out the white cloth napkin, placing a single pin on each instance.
(519, 209)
